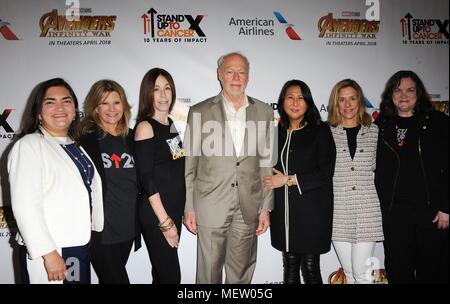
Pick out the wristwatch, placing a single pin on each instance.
(289, 182)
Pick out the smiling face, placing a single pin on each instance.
(405, 97)
(162, 95)
(295, 105)
(58, 111)
(110, 110)
(348, 102)
(233, 75)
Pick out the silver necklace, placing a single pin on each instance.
(86, 170)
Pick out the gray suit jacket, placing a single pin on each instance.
(215, 175)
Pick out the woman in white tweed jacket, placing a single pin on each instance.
(357, 223)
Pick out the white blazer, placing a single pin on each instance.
(49, 200)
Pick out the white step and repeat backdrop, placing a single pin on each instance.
(319, 42)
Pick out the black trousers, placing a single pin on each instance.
(415, 250)
(164, 259)
(109, 260)
(308, 263)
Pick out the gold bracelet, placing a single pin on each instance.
(163, 223)
(167, 222)
(170, 224)
(167, 227)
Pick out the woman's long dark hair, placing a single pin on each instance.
(387, 107)
(36, 100)
(312, 115)
(147, 93)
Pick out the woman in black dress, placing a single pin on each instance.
(302, 217)
(160, 167)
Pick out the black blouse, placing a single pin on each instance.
(160, 167)
(352, 134)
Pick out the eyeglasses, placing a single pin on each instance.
(230, 74)
(409, 91)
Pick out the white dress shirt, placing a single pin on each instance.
(236, 121)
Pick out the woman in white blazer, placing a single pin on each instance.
(357, 224)
(56, 193)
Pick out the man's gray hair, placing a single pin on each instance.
(222, 59)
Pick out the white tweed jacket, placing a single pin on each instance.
(357, 213)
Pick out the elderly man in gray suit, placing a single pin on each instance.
(229, 149)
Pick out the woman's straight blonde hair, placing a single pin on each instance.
(334, 116)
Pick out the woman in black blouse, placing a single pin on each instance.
(160, 167)
(302, 217)
(108, 140)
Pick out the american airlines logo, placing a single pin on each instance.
(371, 109)
(292, 34)
(6, 31)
